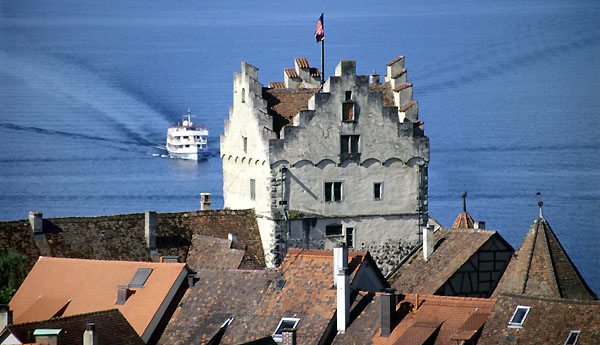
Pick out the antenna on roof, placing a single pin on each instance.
(540, 203)
(464, 197)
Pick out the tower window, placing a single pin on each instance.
(245, 143)
(333, 191)
(333, 230)
(348, 95)
(243, 95)
(350, 237)
(348, 111)
(252, 189)
(377, 190)
(349, 143)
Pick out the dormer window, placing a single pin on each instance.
(572, 339)
(286, 322)
(518, 317)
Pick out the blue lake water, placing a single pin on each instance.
(508, 92)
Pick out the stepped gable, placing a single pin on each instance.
(452, 249)
(549, 321)
(284, 104)
(218, 294)
(111, 328)
(542, 268)
(206, 251)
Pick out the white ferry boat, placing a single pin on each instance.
(187, 141)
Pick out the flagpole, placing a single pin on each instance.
(323, 53)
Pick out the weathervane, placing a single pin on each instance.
(540, 203)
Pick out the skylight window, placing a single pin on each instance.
(519, 316)
(286, 322)
(140, 277)
(572, 339)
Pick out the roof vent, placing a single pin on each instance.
(140, 277)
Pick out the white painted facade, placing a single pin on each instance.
(347, 161)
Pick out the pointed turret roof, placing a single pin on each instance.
(464, 220)
(542, 268)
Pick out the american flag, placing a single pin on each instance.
(319, 35)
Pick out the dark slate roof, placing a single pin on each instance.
(111, 327)
(542, 268)
(452, 249)
(549, 321)
(308, 294)
(122, 237)
(217, 295)
(284, 104)
(441, 319)
(212, 252)
(463, 221)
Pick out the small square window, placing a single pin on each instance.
(252, 189)
(349, 143)
(286, 322)
(519, 316)
(572, 339)
(348, 111)
(333, 230)
(377, 190)
(350, 237)
(333, 191)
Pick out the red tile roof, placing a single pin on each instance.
(291, 73)
(438, 319)
(276, 85)
(542, 268)
(91, 285)
(402, 87)
(395, 60)
(284, 104)
(216, 296)
(308, 294)
(549, 321)
(398, 74)
(407, 106)
(302, 62)
(452, 249)
(463, 221)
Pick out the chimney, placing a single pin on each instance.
(234, 240)
(428, 242)
(151, 231)
(480, 225)
(388, 312)
(288, 336)
(123, 293)
(169, 259)
(343, 286)
(340, 259)
(6, 316)
(36, 221)
(204, 201)
(90, 337)
(374, 78)
(47, 336)
(190, 277)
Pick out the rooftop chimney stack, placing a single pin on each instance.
(288, 336)
(374, 78)
(123, 293)
(428, 242)
(388, 312)
(204, 201)
(90, 337)
(190, 277)
(479, 225)
(6, 316)
(47, 336)
(36, 221)
(151, 231)
(340, 259)
(343, 287)
(233, 238)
